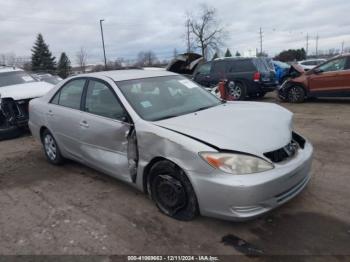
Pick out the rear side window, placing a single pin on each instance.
(219, 67)
(70, 94)
(240, 66)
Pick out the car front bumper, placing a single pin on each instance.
(243, 197)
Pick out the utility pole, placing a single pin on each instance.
(103, 43)
(261, 41)
(342, 47)
(307, 44)
(317, 37)
(188, 36)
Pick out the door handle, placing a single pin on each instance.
(84, 124)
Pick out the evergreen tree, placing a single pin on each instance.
(228, 53)
(215, 56)
(42, 59)
(238, 54)
(64, 68)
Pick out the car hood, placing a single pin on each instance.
(298, 68)
(249, 127)
(25, 91)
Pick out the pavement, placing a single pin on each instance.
(74, 210)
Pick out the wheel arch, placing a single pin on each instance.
(41, 132)
(148, 167)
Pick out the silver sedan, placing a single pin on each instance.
(165, 135)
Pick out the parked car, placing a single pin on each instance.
(311, 63)
(252, 76)
(331, 79)
(52, 79)
(169, 137)
(281, 70)
(16, 89)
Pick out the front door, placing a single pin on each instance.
(331, 78)
(104, 131)
(202, 74)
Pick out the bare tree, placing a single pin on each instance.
(8, 59)
(146, 59)
(81, 57)
(206, 30)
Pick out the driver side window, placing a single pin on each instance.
(334, 65)
(101, 101)
(204, 69)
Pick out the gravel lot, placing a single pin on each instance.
(75, 210)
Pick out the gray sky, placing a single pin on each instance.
(158, 25)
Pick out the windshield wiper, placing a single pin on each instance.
(165, 117)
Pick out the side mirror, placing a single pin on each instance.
(317, 71)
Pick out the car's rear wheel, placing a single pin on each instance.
(172, 191)
(237, 90)
(52, 151)
(295, 94)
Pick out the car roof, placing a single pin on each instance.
(130, 74)
(6, 69)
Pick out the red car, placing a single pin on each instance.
(330, 79)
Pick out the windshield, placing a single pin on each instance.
(15, 78)
(164, 97)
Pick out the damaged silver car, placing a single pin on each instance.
(17, 88)
(167, 136)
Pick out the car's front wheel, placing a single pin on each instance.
(52, 151)
(296, 94)
(172, 191)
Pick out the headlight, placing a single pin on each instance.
(236, 164)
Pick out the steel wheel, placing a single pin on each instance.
(50, 147)
(172, 191)
(170, 194)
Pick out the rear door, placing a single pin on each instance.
(105, 130)
(333, 78)
(64, 116)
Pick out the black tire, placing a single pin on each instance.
(51, 149)
(172, 191)
(9, 132)
(238, 91)
(295, 94)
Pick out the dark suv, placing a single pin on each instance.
(252, 76)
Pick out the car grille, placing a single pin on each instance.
(287, 151)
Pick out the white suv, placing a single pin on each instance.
(17, 88)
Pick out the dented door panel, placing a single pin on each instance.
(104, 145)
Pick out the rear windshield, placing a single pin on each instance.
(15, 78)
(261, 64)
